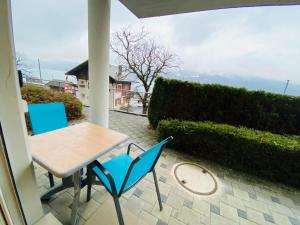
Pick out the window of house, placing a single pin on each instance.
(119, 87)
(124, 90)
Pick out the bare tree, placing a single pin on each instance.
(139, 55)
(21, 65)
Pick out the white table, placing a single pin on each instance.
(64, 152)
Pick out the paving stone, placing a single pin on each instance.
(269, 218)
(296, 201)
(149, 196)
(257, 205)
(202, 207)
(163, 198)
(86, 210)
(64, 217)
(163, 165)
(129, 193)
(229, 191)
(100, 197)
(173, 221)
(263, 197)
(234, 202)
(255, 216)
(163, 179)
(46, 208)
(175, 200)
(163, 215)
(188, 203)
(134, 205)
(294, 221)
(138, 192)
(241, 194)
(160, 222)
(147, 207)
(246, 222)
(282, 209)
(147, 218)
(220, 220)
(188, 216)
(106, 215)
(214, 209)
(242, 214)
(286, 200)
(280, 218)
(61, 202)
(275, 199)
(252, 195)
(228, 212)
(205, 220)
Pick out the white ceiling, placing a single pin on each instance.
(150, 8)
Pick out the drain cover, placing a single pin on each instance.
(195, 178)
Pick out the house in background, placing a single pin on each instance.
(63, 86)
(33, 80)
(118, 88)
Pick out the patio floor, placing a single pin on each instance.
(240, 199)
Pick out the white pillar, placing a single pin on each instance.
(98, 31)
(13, 124)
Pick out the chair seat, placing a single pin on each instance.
(117, 167)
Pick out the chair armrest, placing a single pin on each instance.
(107, 175)
(138, 146)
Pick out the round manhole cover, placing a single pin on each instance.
(195, 178)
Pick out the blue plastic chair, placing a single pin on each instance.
(121, 173)
(47, 117)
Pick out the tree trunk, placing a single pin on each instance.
(145, 103)
(145, 108)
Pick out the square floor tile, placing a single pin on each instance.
(294, 221)
(214, 209)
(137, 192)
(269, 218)
(242, 213)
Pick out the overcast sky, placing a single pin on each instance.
(260, 42)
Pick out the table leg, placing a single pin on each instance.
(75, 205)
(66, 183)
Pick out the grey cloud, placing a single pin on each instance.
(55, 28)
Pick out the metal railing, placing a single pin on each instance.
(128, 101)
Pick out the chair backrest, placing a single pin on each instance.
(145, 163)
(47, 117)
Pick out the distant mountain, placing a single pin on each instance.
(251, 83)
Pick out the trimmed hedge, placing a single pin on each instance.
(173, 99)
(272, 156)
(35, 94)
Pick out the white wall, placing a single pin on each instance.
(13, 121)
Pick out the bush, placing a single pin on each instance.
(36, 94)
(272, 156)
(173, 99)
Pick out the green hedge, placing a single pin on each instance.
(173, 99)
(35, 94)
(272, 156)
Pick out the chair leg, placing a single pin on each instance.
(90, 179)
(157, 190)
(51, 179)
(118, 209)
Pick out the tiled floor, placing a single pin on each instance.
(240, 199)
